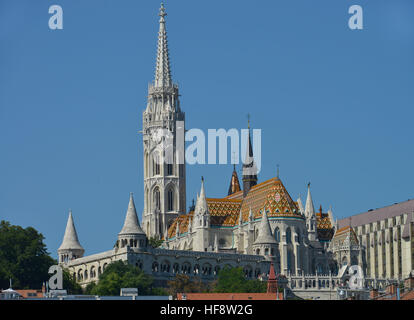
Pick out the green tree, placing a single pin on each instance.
(233, 280)
(70, 284)
(155, 243)
(183, 284)
(119, 275)
(23, 257)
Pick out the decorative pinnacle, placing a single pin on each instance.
(162, 13)
(248, 120)
(277, 174)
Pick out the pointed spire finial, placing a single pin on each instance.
(248, 120)
(162, 69)
(277, 171)
(162, 13)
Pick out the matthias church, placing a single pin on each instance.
(255, 224)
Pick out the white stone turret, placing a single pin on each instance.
(70, 248)
(310, 216)
(201, 221)
(131, 234)
(265, 244)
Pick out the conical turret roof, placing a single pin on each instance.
(265, 232)
(131, 224)
(234, 183)
(309, 208)
(70, 239)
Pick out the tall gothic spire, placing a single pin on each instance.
(70, 239)
(162, 69)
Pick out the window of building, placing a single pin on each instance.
(288, 236)
(277, 234)
(170, 200)
(169, 169)
(157, 200)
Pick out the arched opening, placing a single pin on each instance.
(288, 235)
(157, 199)
(156, 165)
(170, 200)
(277, 234)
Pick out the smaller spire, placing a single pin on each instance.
(201, 204)
(300, 205)
(251, 218)
(234, 183)
(309, 208)
(70, 239)
(131, 223)
(265, 232)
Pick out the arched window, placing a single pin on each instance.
(170, 200)
(288, 236)
(157, 199)
(169, 169)
(277, 234)
(156, 165)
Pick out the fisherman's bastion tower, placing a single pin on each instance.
(254, 225)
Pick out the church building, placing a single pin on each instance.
(254, 225)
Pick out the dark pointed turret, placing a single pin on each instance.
(234, 182)
(249, 168)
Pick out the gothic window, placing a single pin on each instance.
(157, 201)
(169, 169)
(170, 198)
(288, 236)
(156, 165)
(277, 234)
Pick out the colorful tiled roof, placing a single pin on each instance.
(224, 212)
(346, 236)
(272, 195)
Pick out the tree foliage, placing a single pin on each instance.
(183, 284)
(70, 284)
(23, 257)
(233, 280)
(155, 243)
(119, 275)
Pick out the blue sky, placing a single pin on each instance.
(335, 106)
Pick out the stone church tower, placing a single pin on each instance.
(164, 146)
